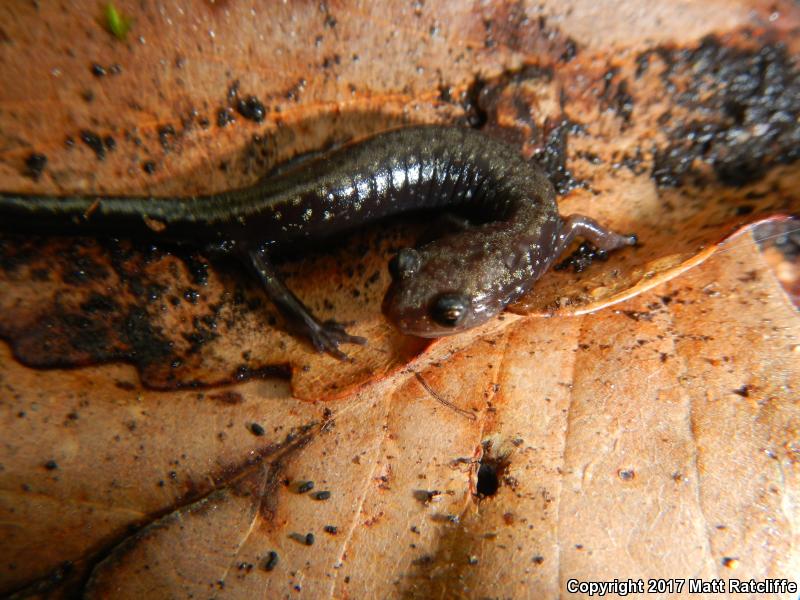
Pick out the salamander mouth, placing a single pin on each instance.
(418, 323)
(408, 320)
(425, 331)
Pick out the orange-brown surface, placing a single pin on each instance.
(657, 437)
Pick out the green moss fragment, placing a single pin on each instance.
(117, 23)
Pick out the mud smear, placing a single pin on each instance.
(736, 109)
(72, 302)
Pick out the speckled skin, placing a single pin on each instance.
(448, 285)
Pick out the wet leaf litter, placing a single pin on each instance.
(386, 464)
(192, 357)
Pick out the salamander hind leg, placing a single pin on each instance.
(324, 336)
(579, 226)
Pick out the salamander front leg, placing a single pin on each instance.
(579, 226)
(326, 336)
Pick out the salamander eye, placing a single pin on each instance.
(449, 309)
(405, 263)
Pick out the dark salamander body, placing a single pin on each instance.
(513, 235)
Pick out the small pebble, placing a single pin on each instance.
(271, 561)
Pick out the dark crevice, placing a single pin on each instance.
(492, 472)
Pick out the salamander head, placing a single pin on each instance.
(442, 289)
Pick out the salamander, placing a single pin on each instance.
(507, 234)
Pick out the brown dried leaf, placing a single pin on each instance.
(641, 441)
(657, 438)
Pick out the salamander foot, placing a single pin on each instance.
(324, 336)
(327, 336)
